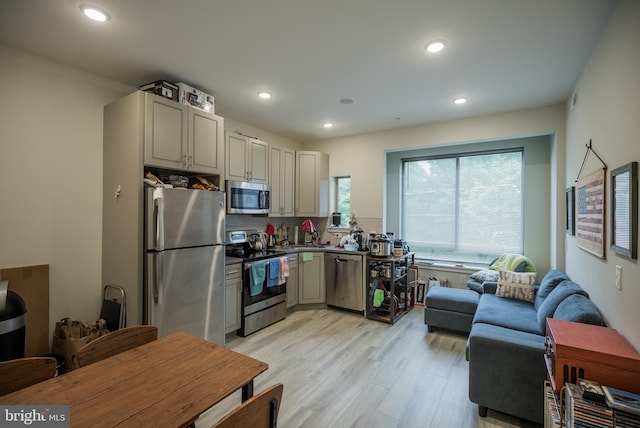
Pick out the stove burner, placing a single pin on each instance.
(238, 252)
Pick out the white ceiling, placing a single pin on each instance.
(501, 54)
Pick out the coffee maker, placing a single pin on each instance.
(357, 236)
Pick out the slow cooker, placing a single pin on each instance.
(380, 246)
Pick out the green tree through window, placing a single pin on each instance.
(343, 198)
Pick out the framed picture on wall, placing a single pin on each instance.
(590, 210)
(570, 202)
(624, 210)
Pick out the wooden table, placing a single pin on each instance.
(168, 382)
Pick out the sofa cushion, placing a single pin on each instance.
(474, 285)
(452, 299)
(516, 285)
(563, 290)
(578, 308)
(508, 313)
(548, 283)
(507, 371)
(489, 287)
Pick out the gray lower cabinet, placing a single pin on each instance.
(311, 287)
(233, 297)
(292, 281)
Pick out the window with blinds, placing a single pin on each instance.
(463, 207)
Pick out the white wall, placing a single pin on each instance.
(608, 112)
(51, 175)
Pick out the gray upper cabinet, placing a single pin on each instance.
(247, 159)
(182, 138)
(312, 184)
(282, 180)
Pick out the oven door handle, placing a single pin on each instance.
(247, 266)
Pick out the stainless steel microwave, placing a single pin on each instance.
(247, 198)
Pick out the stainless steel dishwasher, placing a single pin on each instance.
(344, 279)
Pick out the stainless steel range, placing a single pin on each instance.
(264, 286)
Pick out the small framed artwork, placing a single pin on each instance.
(624, 210)
(570, 202)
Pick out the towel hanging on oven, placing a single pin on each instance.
(284, 270)
(257, 274)
(274, 272)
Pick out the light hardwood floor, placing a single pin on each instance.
(341, 370)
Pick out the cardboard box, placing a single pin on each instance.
(196, 98)
(163, 88)
(32, 284)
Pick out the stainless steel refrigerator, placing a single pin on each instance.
(184, 262)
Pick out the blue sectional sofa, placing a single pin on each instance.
(506, 345)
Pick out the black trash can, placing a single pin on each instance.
(13, 322)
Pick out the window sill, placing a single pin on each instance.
(449, 267)
(339, 229)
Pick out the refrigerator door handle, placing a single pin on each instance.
(158, 218)
(158, 284)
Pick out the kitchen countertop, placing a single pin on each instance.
(303, 249)
(328, 248)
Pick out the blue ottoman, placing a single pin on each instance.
(450, 308)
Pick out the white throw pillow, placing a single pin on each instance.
(485, 275)
(516, 285)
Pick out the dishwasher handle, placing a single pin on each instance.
(339, 260)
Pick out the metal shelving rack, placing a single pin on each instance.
(390, 275)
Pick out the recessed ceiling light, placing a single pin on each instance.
(435, 46)
(264, 95)
(328, 125)
(461, 100)
(95, 13)
(346, 101)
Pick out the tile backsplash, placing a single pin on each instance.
(257, 222)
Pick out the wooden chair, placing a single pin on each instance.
(116, 342)
(23, 372)
(260, 411)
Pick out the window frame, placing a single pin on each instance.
(457, 156)
(336, 194)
